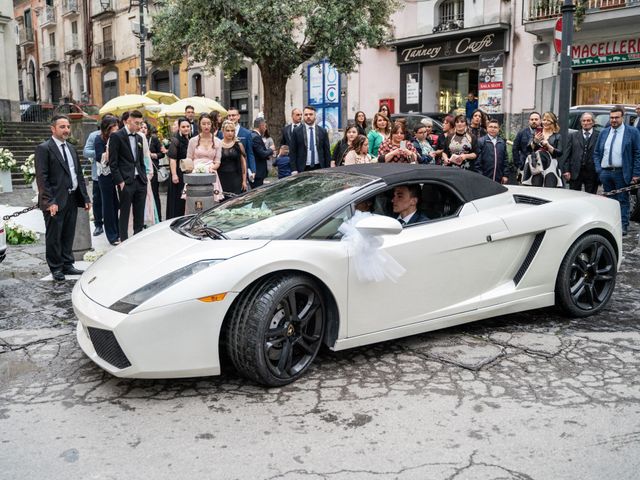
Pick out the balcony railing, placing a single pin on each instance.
(72, 45)
(98, 11)
(547, 9)
(48, 16)
(49, 56)
(70, 7)
(105, 52)
(26, 36)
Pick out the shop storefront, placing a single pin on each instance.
(606, 71)
(438, 71)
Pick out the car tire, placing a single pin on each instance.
(634, 206)
(275, 329)
(587, 276)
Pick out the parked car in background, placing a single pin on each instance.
(36, 112)
(601, 115)
(413, 119)
(79, 110)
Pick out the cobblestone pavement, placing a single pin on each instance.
(525, 396)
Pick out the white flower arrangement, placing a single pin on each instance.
(7, 160)
(29, 169)
(201, 168)
(19, 235)
(93, 255)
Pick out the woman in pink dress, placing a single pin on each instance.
(205, 150)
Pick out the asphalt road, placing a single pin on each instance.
(526, 396)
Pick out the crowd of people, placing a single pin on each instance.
(125, 179)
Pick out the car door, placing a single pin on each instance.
(448, 264)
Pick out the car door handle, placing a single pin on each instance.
(499, 236)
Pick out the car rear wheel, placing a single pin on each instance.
(275, 329)
(587, 276)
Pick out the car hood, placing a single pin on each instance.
(150, 255)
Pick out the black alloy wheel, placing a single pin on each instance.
(587, 276)
(276, 329)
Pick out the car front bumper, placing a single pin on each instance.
(178, 340)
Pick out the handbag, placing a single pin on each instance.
(186, 165)
(163, 174)
(103, 164)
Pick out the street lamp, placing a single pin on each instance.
(141, 33)
(105, 4)
(564, 102)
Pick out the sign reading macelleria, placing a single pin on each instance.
(607, 51)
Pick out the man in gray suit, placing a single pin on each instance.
(578, 168)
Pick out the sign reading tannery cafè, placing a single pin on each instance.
(452, 47)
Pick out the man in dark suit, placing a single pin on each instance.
(260, 151)
(126, 161)
(309, 149)
(233, 114)
(61, 190)
(190, 114)
(287, 130)
(578, 168)
(405, 204)
(617, 159)
(523, 138)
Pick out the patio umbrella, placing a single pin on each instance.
(199, 104)
(124, 103)
(165, 98)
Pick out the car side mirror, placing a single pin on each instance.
(379, 225)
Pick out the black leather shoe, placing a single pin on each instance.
(72, 271)
(58, 276)
(98, 231)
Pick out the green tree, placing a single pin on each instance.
(278, 35)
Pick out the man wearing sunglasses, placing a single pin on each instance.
(617, 159)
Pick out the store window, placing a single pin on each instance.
(614, 86)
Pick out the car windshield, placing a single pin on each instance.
(271, 211)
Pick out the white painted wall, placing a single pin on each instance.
(9, 73)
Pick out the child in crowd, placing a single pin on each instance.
(282, 162)
(492, 154)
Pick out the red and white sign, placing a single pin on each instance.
(557, 36)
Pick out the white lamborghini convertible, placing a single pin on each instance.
(266, 278)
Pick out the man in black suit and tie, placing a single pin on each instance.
(190, 114)
(261, 153)
(578, 167)
(61, 190)
(126, 161)
(405, 204)
(309, 149)
(287, 130)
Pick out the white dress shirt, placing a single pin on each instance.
(616, 149)
(70, 162)
(315, 144)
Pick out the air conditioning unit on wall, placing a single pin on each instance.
(542, 53)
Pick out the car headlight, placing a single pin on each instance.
(134, 299)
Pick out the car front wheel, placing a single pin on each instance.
(275, 329)
(587, 276)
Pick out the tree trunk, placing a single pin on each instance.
(274, 83)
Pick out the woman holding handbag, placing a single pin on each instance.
(110, 204)
(178, 164)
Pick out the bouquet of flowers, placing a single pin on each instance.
(19, 235)
(7, 160)
(29, 169)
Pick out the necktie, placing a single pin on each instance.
(613, 140)
(312, 146)
(402, 222)
(587, 136)
(72, 168)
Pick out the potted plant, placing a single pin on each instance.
(7, 162)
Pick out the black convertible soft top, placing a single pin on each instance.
(469, 185)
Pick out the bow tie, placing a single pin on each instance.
(132, 134)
